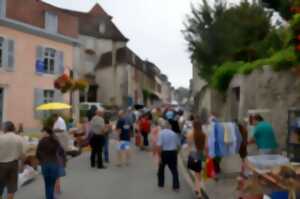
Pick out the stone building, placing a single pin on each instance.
(98, 35)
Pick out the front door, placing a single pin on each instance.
(1, 104)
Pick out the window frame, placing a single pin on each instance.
(48, 95)
(49, 56)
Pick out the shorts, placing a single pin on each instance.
(124, 145)
(9, 177)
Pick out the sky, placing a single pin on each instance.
(153, 28)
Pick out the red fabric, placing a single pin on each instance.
(138, 139)
(145, 125)
(210, 168)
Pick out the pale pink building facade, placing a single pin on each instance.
(31, 58)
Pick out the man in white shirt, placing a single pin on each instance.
(60, 130)
(60, 124)
(12, 149)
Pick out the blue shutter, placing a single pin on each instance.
(38, 100)
(51, 22)
(2, 8)
(5, 53)
(10, 55)
(39, 64)
(59, 63)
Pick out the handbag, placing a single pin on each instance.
(194, 162)
(210, 168)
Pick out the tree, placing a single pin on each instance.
(218, 34)
(280, 6)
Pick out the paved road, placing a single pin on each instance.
(134, 182)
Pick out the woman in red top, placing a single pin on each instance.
(145, 128)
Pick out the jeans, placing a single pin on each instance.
(106, 149)
(168, 158)
(97, 144)
(50, 173)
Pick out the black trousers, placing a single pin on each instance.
(145, 138)
(168, 158)
(97, 144)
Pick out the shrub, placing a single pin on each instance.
(284, 59)
(224, 74)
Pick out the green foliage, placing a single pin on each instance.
(224, 74)
(282, 60)
(247, 68)
(295, 23)
(220, 34)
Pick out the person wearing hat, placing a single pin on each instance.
(12, 149)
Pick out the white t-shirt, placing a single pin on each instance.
(60, 124)
(12, 147)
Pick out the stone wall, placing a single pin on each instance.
(265, 89)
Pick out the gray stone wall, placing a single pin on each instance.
(266, 89)
(262, 89)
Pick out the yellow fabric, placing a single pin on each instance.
(53, 106)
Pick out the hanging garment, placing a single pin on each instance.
(239, 138)
(211, 140)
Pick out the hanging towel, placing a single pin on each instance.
(226, 134)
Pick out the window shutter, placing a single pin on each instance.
(38, 100)
(2, 8)
(10, 55)
(5, 54)
(51, 23)
(58, 96)
(39, 65)
(59, 63)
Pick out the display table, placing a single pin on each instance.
(267, 181)
(272, 176)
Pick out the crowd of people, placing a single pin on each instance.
(161, 131)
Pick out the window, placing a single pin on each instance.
(7, 54)
(2, 8)
(49, 61)
(102, 28)
(51, 22)
(48, 96)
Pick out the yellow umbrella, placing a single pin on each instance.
(53, 106)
